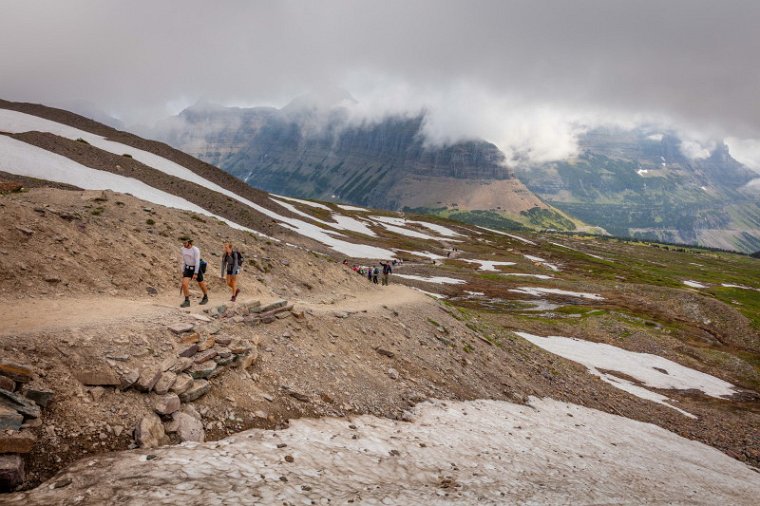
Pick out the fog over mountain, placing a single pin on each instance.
(527, 76)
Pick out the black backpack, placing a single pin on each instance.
(203, 266)
(240, 258)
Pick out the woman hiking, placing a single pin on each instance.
(231, 262)
(191, 269)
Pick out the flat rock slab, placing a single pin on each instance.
(17, 442)
(17, 372)
(10, 418)
(98, 375)
(197, 390)
(41, 396)
(181, 328)
(21, 404)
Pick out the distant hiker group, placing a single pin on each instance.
(373, 272)
(193, 267)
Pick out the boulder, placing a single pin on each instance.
(189, 428)
(199, 371)
(198, 389)
(204, 356)
(165, 383)
(167, 404)
(11, 472)
(127, 377)
(167, 364)
(182, 384)
(182, 364)
(17, 372)
(148, 379)
(39, 395)
(149, 432)
(189, 351)
(17, 442)
(10, 418)
(207, 344)
(223, 340)
(190, 338)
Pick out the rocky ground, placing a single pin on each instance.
(90, 327)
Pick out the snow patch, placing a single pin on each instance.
(304, 202)
(652, 370)
(486, 265)
(693, 284)
(18, 157)
(538, 291)
(438, 280)
(543, 262)
(537, 276)
(346, 207)
(477, 452)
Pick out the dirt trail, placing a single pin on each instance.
(41, 315)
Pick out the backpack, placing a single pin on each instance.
(203, 266)
(240, 258)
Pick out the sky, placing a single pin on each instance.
(529, 75)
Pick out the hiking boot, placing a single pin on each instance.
(185, 304)
(204, 300)
(234, 297)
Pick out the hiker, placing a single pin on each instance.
(375, 273)
(369, 274)
(231, 262)
(386, 272)
(191, 269)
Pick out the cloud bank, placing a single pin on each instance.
(526, 75)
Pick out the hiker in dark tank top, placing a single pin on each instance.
(231, 263)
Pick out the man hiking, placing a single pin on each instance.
(386, 272)
(191, 269)
(231, 262)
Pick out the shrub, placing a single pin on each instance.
(150, 221)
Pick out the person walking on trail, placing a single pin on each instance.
(375, 273)
(191, 269)
(386, 272)
(231, 262)
(369, 274)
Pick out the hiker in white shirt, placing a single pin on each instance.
(191, 269)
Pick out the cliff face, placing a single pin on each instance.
(635, 183)
(322, 154)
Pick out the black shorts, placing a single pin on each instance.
(233, 272)
(189, 271)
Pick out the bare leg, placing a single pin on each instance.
(232, 282)
(186, 287)
(204, 287)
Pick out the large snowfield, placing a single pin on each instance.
(478, 452)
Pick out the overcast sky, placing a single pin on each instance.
(527, 75)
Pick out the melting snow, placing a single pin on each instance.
(477, 452)
(18, 157)
(438, 280)
(526, 241)
(644, 367)
(486, 265)
(537, 292)
(538, 276)
(431, 294)
(427, 254)
(352, 224)
(391, 221)
(346, 207)
(304, 202)
(542, 262)
(727, 285)
(693, 284)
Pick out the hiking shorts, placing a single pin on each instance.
(233, 272)
(189, 271)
